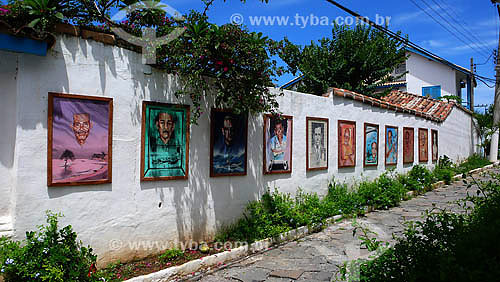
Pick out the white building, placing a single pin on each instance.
(433, 76)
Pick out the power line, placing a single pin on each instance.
(490, 86)
(455, 18)
(442, 25)
(487, 60)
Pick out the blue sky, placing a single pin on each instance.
(479, 16)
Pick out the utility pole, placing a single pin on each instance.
(472, 85)
(496, 105)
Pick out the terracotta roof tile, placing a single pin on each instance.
(398, 101)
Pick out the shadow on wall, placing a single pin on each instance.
(8, 79)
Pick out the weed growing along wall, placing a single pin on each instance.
(132, 218)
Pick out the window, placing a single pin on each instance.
(432, 91)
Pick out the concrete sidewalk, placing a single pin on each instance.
(317, 257)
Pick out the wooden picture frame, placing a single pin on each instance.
(170, 160)
(368, 150)
(77, 125)
(435, 145)
(317, 160)
(423, 145)
(272, 165)
(235, 165)
(408, 156)
(394, 161)
(342, 125)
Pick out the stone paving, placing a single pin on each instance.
(317, 256)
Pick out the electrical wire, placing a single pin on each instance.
(455, 17)
(487, 60)
(442, 25)
(490, 86)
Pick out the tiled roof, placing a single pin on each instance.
(398, 101)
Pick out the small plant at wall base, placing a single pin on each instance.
(50, 254)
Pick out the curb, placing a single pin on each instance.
(191, 269)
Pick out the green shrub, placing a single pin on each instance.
(423, 178)
(51, 254)
(446, 246)
(472, 162)
(170, 255)
(339, 200)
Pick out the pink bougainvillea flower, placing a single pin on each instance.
(226, 68)
(219, 63)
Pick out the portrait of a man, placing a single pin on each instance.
(435, 148)
(371, 144)
(317, 143)
(391, 145)
(228, 155)
(165, 145)
(277, 144)
(423, 145)
(79, 140)
(347, 143)
(408, 145)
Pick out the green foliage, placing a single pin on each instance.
(368, 238)
(170, 255)
(418, 179)
(472, 162)
(384, 192)
(51, 254)
(357, 59)
(445, 170)
(446, 246)
(44, 12)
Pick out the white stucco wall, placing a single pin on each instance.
(128, 210)
(424, 72)
(8, 118)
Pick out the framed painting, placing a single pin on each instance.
(434, 145)
(391, 145)
(370, 155)
(228, 143)
(408, 145)
(164, 142)
(317, 143)
(278, 132)
(347, 143)
(423, 145)
(80, 130)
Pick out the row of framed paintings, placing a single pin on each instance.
(80, 142)
(278, 145)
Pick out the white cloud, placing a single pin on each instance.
(418, 16)
(488, 44)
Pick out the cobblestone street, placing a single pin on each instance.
(317, 256)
